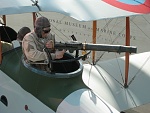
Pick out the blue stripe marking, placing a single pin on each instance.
(132, 2)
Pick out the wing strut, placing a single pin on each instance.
(4, 19)
(94, 39)
(34, 17)
(127, 53)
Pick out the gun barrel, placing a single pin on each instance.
(96, 47)
(110, 48)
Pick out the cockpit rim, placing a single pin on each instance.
(54, 74)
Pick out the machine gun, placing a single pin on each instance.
(74, 45)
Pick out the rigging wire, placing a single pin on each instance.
(131, 97)
(141, 29)
(108, 74)
(113, 40)
(107, 23)
(139, 70)
(116, 39)
(147, 58)
(146, 20)
(115, 54)
(120, 32)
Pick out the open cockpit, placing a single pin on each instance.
(66, 67)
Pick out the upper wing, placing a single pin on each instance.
(86, 10)
(16, 6)
(82, 10)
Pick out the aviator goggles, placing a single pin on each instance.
(46, 31)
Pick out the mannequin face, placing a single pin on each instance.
(45, 32)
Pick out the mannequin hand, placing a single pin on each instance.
(59, 54)
(50, 44)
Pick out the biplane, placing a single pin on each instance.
(71, 86)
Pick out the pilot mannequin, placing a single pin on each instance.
(34, 42)
(6, 46)
(20, 35)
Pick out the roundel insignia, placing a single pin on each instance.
(136, 6)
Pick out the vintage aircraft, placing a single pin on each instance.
(71, 86)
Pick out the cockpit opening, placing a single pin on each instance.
(68, 66)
